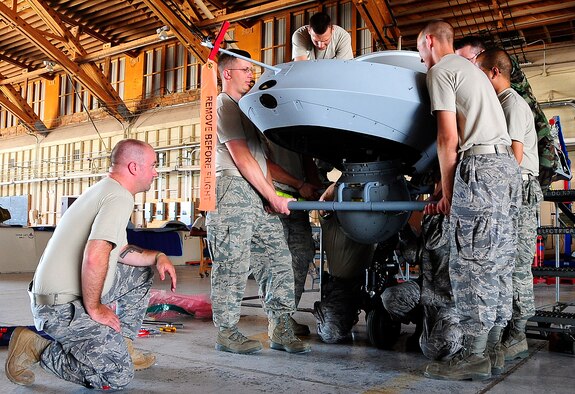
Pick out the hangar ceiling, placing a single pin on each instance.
(73, 34)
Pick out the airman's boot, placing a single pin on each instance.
(495, 350)
(515, 345)
(469, 363)
(283, 337)
(140, 359)
(298, 329)
(24, 350)
(233, 341)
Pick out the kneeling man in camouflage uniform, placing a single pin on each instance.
(86, 267)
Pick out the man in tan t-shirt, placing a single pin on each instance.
(497, 65)
(321, 40)
(85, 269)
(481, 193)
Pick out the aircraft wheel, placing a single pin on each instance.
(381, 330)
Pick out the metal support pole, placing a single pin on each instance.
(382, 206)
(266, 66)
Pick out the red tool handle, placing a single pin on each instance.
(219, 40)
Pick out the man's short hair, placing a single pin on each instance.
(319, 22)
(225, 60)
(128, 150)
(496, 57)
(440, 29)
(472, 41)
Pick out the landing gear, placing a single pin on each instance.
(382, 331)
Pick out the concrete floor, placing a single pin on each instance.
(188, 363)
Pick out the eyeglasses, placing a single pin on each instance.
(247, 70)
(474, 56)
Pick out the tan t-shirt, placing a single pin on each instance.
(233, 125)
(521, 127)
(338, 48)
(101, 213)
(456, 85)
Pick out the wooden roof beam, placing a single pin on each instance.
(92, 57)
(217, 4)
(379, 21)
(97, 85)
(178, 28)
(209, 15)
(190, 10)
(54, 22)
(88, 31)
(497, 10)
(11, 99)
(14, 62)
(272, 6)
(522, 22)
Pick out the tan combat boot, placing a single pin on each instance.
(470, 363)
(515, 346)
(495, 350)
(298, 329)
(140, 359)
(24, 350)
(283, 337)
(233, 341)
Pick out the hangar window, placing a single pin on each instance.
(117, 75)
(170, 69)
(345, 14)
(35, 96)
(74, 97)
(364, 39)
(274, 41)
(192, 77)
(341, 14)
(152, 73)
(7, 119)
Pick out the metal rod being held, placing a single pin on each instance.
(267, 66)
(378, 206)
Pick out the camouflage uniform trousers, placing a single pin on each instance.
(441, 336)
(400, 300)
(87, 352)
(523, 301)
(242, 236)
(483, 227)
(297, 231)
